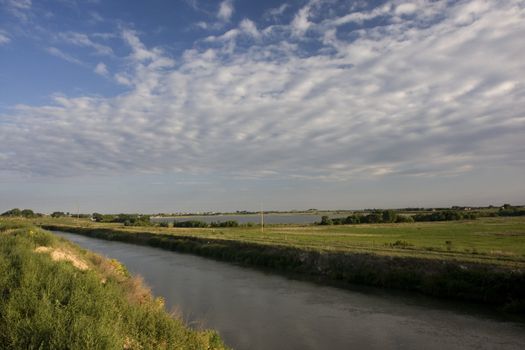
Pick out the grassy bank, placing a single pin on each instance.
(489, 277)
(58, 296)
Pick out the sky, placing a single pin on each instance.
(192, 105)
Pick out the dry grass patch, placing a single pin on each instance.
(62, 255)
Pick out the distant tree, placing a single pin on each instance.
(13, 212)
(28, 213)
(389, 216)
(190, 223)
(97, 217)
(404, 218)
(374, 218)
(227, 223)
(325, 220)
(58, 214)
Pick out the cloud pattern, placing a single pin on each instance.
(413, 89)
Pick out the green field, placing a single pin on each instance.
(498, 240)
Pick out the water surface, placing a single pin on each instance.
(255, 310)
(247, 218)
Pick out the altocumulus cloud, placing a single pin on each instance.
(419, 89)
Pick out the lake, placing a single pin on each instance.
(271, 219)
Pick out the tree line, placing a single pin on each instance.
(392, 216)
(198, 223)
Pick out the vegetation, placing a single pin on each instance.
(126, 219)
(26, 213)
(199, 224)
(57, 296)
(390, 216)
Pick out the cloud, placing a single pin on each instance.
(277, 11)
(81, 39)
(225, 10)
(222, 16)
(249, 27)
(95, 17)
(417, 95)
(60, 54)
(4, 38)
(193, 4)
(101, 69)
(406, 9)
(300, 23)
(18, 8)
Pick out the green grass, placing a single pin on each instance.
(496, 240)
(47, 304)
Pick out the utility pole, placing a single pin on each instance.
(262, 220)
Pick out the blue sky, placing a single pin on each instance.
(193, 105)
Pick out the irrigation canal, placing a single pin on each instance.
(255, 310)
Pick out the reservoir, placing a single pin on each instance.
(299, 219)
(256, 310)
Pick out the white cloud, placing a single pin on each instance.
(18, 8)
(80, 39)
(19, 4)
(225, 10)
(278, 10)
(101, 69)
(300, 23)
(419, 95)
(4, 38)
(406, 9)
(96, 17)
(249, 27)
(60, 54)
(275, 13)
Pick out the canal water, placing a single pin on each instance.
(255, 310)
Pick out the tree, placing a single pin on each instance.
(389, 216)
(374, 218)
(13, 212)
(98, 217)
(325, 220)
(27, 213)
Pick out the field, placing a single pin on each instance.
(498, 240)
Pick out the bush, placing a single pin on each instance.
(325, 220)
(404, 218)
(190, 223)
(228, 223)
(27, 213)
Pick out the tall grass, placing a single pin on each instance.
(48, 304)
